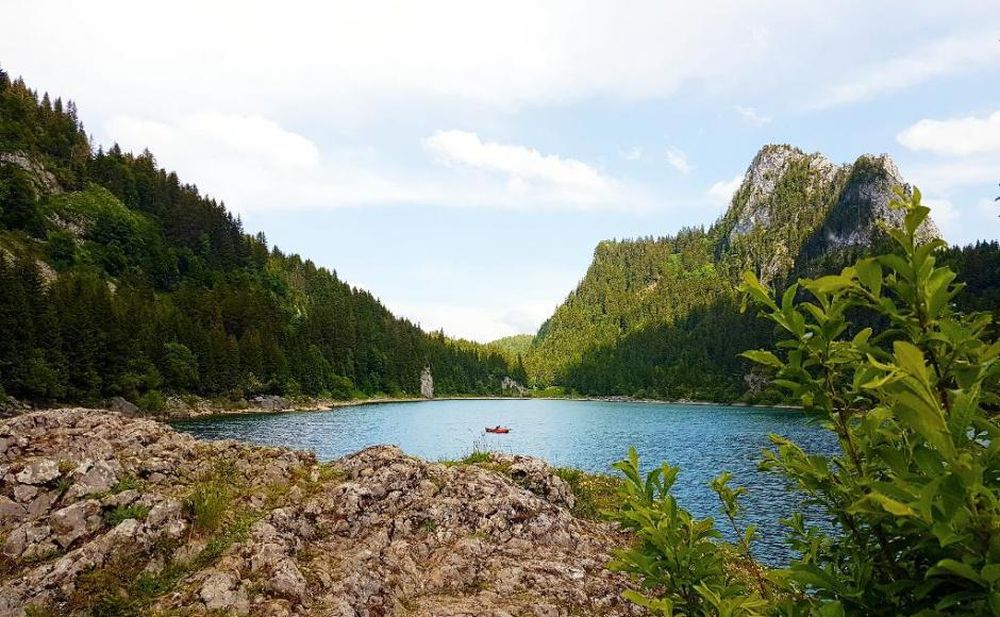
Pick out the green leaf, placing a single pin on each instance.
(890, 505)
(991, 573)
(926, 419)
(828, 284)
(910, 359)
(753, 287)
(947, 567)
(763, 357)
(870, 274)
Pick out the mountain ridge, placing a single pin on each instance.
(794, 214)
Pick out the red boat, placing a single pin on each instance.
(502, 430)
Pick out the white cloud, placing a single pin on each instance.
(252, 138)
(255, 164)
(521, 164)
(957, 136)
(723, 190)
(937, 177)
(678, 160)
(345, 55)
(962, 221)
(750, 115)
(950, 56)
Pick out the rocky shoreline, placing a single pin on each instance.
(101, 513)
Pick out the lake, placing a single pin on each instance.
(590, 435)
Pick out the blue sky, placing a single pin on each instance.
(461, 160)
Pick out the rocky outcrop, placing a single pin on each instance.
(757, 203)
(862, 211)
(121, 405)
(10, 406)
(270, 402)
(44, 181)
(794, 207)
(102, 513)
(426, 383)
(510, 386)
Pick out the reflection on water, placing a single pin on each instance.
(701, 439)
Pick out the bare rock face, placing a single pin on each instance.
(270, 402)
(793, 207)
(39, 472)
(44, 181)
(511, 386)
(426, 383)
(862, 209)
(97, 508)
(756, 199)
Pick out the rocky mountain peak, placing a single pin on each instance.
(794, 207)
(863, 207)
(754, 203)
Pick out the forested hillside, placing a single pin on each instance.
(116, 278)
(660, 317)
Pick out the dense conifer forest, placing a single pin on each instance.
(117, 278)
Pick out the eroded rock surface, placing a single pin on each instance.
(101, 512)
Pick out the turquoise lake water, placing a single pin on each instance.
(590, 435)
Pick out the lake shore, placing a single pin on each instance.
(193, 407)
(204, 408)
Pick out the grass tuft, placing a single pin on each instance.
(122, 513)
(595, 493)
(207, 504)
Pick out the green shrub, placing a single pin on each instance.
(679, 559)
(61, 249)
(914, 491)
(152, 402)
(595, 493)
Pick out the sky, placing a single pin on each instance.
(461, 160)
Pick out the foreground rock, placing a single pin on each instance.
(103, 514)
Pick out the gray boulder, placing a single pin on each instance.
(39, 472)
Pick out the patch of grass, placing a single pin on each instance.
(39, 610)
(62, 484)
(122, 513)
(232, 533)
(207, 504)
(476, 457)
(595, 493)
(275, 493)
(126, 482)
(429, 526)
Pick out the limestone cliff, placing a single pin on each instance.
(793, 207)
